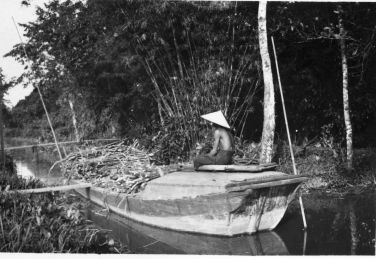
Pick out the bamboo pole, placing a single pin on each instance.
(304, 242)
(60, 143)
(288, 131)
(53, 188)
(40, 94)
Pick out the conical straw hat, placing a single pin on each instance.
(217, 118)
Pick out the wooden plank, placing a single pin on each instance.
(266, 185)
(53, 188)
(265, 180)
(237, 168)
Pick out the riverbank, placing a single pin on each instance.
(122, 165)
(328, 173)
(48, 222)
(127, 166)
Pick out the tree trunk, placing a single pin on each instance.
(3, 160)
(269, 102)
(74, 119)
(346, 105)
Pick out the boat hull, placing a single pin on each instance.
(144, 239)
(237, 210)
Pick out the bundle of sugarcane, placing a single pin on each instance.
(117, 167)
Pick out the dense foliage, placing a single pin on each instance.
(4, 87)
(148, 69)
(44, 223)
(47, 222)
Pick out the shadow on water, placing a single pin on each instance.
(336, 225)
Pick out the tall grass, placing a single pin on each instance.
(48, 222)
(203, 81)
(43, 223)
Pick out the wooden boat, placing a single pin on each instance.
(214, 203)
(145, 239)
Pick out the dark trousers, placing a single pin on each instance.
(223, 157)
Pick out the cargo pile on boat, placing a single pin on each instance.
(246, 153)
(117, 167)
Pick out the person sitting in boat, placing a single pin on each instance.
(223, 146)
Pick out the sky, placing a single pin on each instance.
(9, 37)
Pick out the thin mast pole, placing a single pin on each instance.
(288, 132)
(40, 94)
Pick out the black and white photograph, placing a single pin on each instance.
(202, 128)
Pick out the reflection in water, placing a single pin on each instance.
(353, 228)
(33, 162)
(336, 225)
(141, 238)
(305, 242)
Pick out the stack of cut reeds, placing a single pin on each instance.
(116, 167)
(247, 153)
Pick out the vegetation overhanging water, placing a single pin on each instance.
(338, 223)
(148, 69)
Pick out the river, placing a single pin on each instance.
(337, 225)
